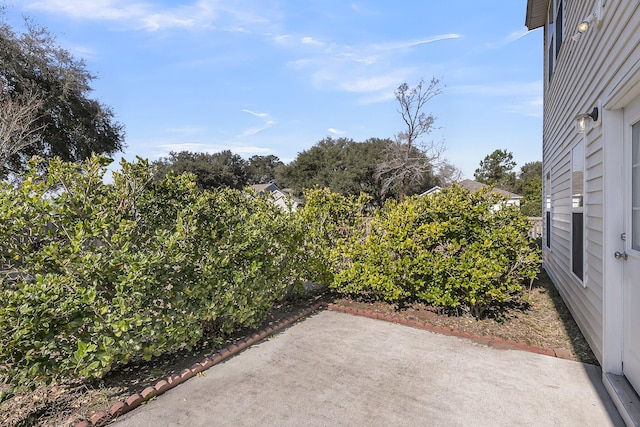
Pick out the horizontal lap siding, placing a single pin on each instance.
(584, 70)
(594, 239)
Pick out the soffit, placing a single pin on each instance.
(536, 13)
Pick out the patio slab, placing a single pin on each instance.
(343, 370)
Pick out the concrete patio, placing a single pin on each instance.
(339, 369)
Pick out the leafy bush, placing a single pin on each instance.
(453, 249)
(326, 219)
(96, 275)
(93, 276)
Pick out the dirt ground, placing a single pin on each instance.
(542, 320)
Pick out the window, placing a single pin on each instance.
(547, 209)
(555, 30)
(559, 27)
(577, 209)
(635, 186)
(551, 59)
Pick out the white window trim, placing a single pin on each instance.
(551, 51)
(548, 200)
(578, 209)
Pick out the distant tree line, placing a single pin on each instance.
(221, 170)
(349, 167)
(342, 165)
(497, 170)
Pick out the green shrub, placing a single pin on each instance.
(326, 219)
(96, 275)
(93, 276)
(451, 249)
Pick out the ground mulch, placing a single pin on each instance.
(541, 320)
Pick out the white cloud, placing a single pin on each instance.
(367, 60)
(256, 130)
(81, 51)
(153, 17)
(185, 146)
(256, 114)
(412, 43)
(190, 130)
(368, 84)
(283, 38)
(372, 84)
(362, 9)
(245, 12)
(378, 97)
(302, 63)
(240, 30)
(97, 9)
(513, 36)
(517, 34)
(310, 41)
(371, 70)
(346, 74)
(296, 42)
(335, 131)
(529, 108)
(236, 148)
(376, 85)
(158, 21)
(527, 95)
(247, 149)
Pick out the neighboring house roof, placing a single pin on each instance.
(474, 186)
(435, 189)
(261, 188)
(280, 197)
(536, 13)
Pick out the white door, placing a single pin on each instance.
(631, 255)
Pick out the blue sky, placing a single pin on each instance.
(276, 76)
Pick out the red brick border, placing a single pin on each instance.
(101, 418)
(498, 343)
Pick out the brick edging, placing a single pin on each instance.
(101, 418)
(122, 407)
(480, 339)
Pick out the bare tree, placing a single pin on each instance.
(448, 173)
(410, 160)
(18, 128)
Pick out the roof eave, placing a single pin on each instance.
(536, 13)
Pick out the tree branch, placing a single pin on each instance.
(18, 130)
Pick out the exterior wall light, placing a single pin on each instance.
(584, 26)
(584, 122)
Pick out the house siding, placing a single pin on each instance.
(584, 73)
(601, 68)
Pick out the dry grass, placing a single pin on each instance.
(542, 319)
